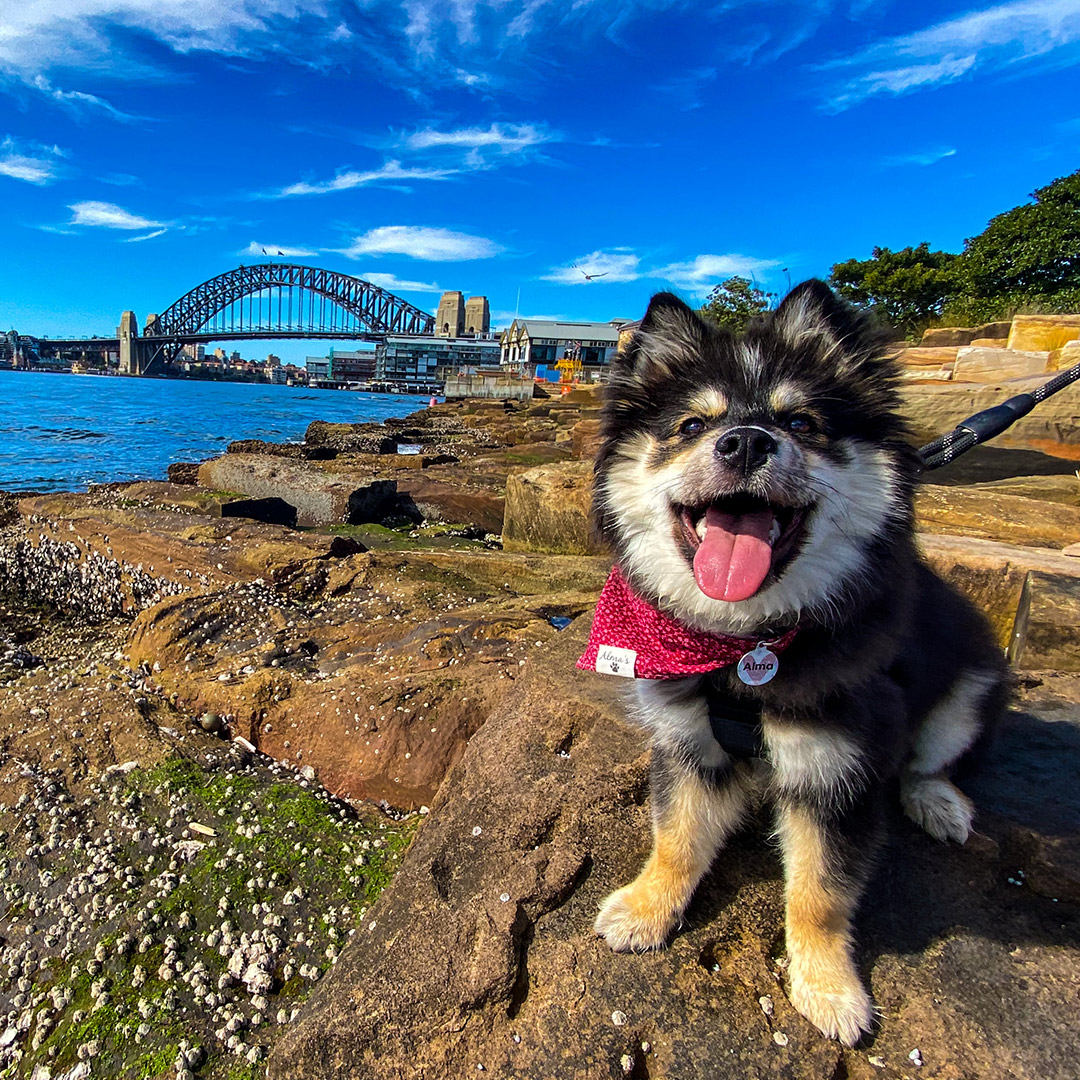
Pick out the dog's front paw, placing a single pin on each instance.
(630, 920)
(836, 1004)
(938, 806)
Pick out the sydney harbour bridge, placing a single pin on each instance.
(272, 300)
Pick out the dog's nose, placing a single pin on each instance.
(746, 448)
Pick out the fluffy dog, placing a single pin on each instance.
(757, 489)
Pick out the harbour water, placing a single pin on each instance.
(63, 432)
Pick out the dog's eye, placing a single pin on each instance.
(693, 426)
(800, 424)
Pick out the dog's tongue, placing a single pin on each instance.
(735, 554)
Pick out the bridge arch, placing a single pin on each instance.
(284, 299)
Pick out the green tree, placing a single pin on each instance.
(733, 303)
(909, 286)
(1028, 256)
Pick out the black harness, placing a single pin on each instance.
(736, 725)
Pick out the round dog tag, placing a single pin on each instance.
(758, 666)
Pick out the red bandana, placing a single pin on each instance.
(642, 642)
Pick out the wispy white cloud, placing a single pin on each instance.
(145, 236)
(81, 33)
(75, 101)
(501, 138)
(699, 275)
(994, 38)
(614, 265)
(396, 284)
(923, 157)
(274, 250)
(422, 242)
(30, 161)
(408, 40)
(505, 318)
(393, 174)
(109, 216)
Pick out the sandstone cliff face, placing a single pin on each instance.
(480, 959)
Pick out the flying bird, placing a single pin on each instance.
(281, 252)
(264, 251)
(590, 277)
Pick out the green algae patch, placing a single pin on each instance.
(180, 915)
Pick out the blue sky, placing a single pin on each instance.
(503, 145)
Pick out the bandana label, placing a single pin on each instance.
(614, 661)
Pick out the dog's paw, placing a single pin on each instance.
(838, 1007)
(631, 921)
(937, 806)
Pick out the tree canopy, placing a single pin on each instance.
(1030, 254)
(909, 286)
(733, 303)
(1027, 257)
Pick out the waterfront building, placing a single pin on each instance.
(529, 343)
(421, 364)
(341, 367)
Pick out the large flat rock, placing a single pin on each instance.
(1047, 629)
(996, 513)
(547, 509)
(1053, 427)
(319, 496)
(1043, 331)
(993, 574)
(982, 365)
(381, 671)
(480, 955)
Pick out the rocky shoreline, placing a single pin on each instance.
(228, 700)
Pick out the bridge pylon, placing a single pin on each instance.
(130, 352)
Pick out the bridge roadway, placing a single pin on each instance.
(282, 301)
(113, 344)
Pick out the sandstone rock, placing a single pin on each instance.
(320, 498)
(1047, 629)
(965, 335)
(1066, 357)
(183, 472)
(95, 555)
(1063, 488)
(1053, 427)
(288, 450)
(989, 342)
(457, 503)
(481, 951)
(995, 513)
(585, 439)
(992, 365)
(927, 357)
(380, 687)
(992, 574)
(547, 509)
(1043, 332)
(944, 337)
(358, 438)
(583, 395)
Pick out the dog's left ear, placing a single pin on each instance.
(670, 332)
(813, 316)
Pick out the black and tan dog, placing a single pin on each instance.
(758, 485)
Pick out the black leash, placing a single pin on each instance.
(990, 422)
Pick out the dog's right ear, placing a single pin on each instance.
(670, 333)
